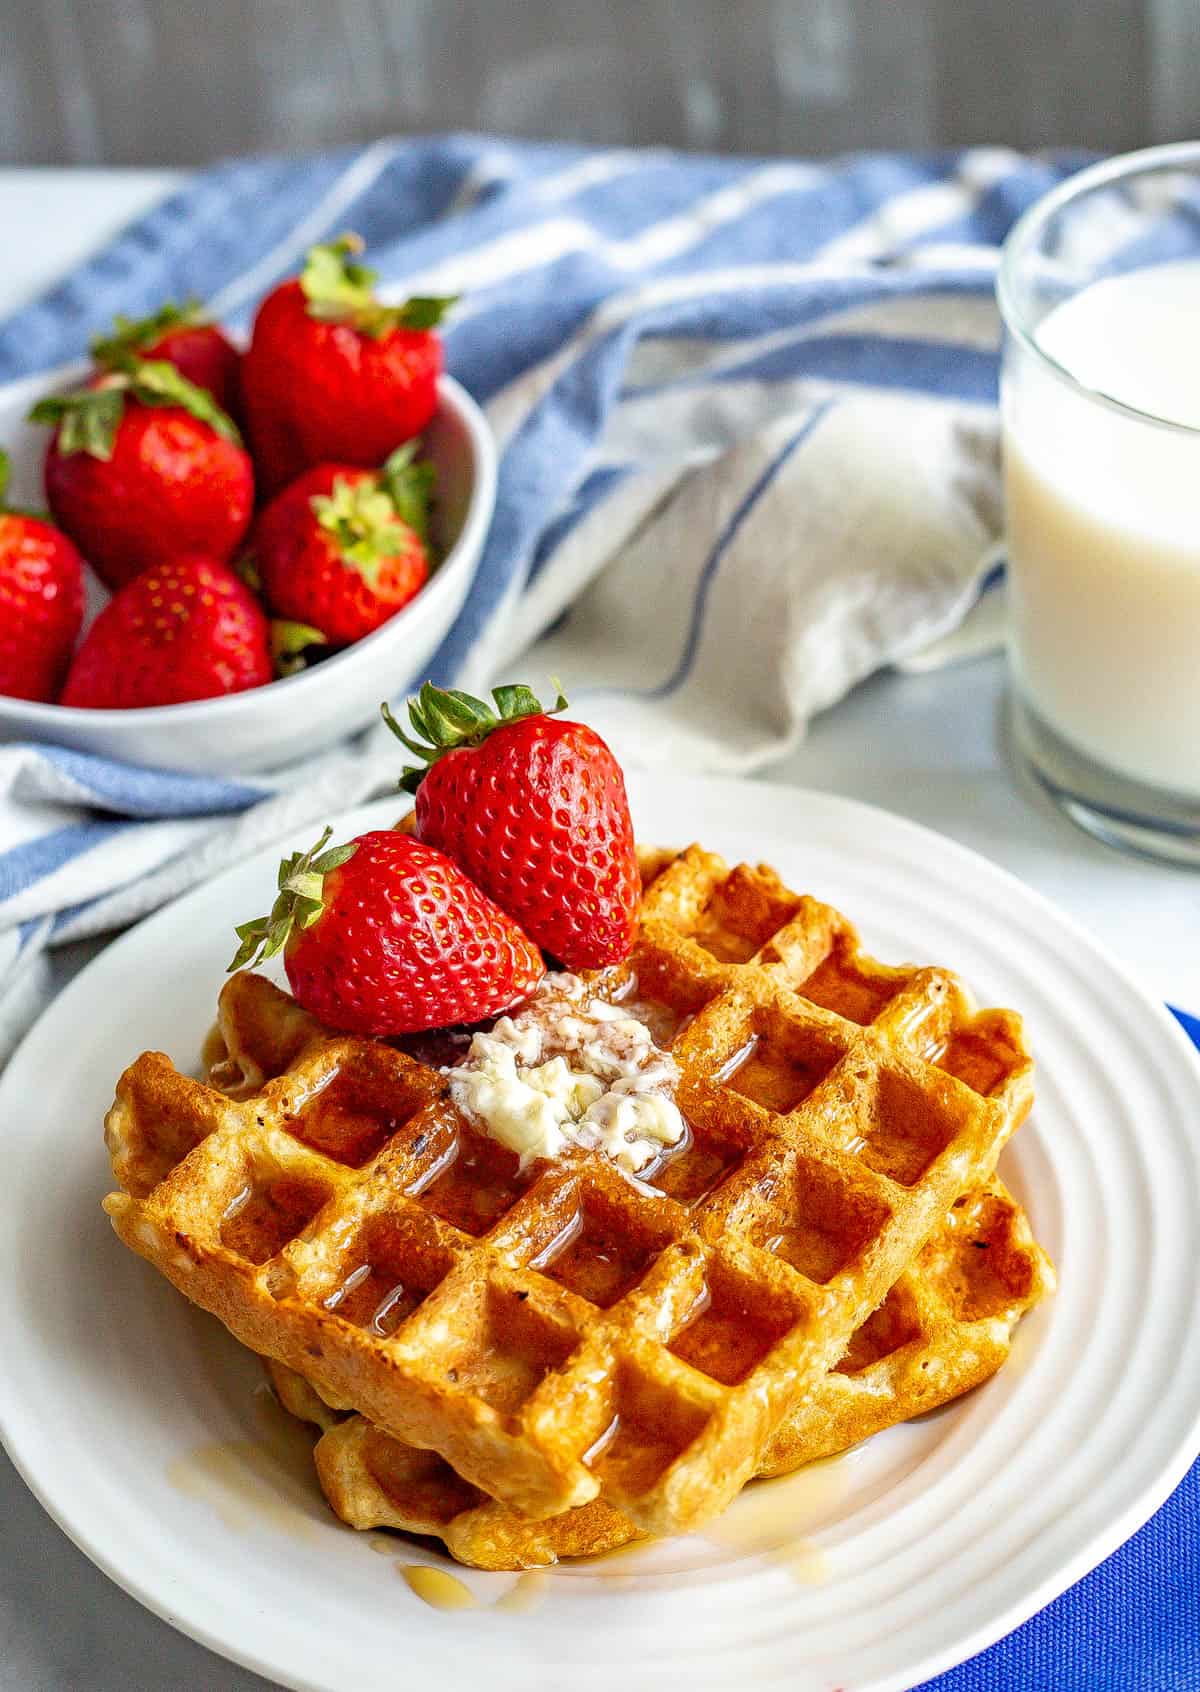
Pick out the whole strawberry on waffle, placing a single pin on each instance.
(534, 809)
(604, 1246)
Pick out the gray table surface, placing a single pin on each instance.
(931, 747)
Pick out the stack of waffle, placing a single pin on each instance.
(532, 1363)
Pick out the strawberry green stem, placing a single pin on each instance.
(130, 334)
(339, 289)
(290, 643)
(443, 720)
(87, 421)
(301, 901)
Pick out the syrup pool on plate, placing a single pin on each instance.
(1103, 533)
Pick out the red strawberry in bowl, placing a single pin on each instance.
(184, 337)
(144, 466)
(342, 549)
(534, 809)
(41, 601)
(185, 629)
(386, 936)
(333, 376)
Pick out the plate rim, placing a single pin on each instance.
(1100, 1544)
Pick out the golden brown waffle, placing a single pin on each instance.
(945, 1327)
(568, 1334)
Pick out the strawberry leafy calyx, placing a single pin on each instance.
(443, 720)
(290, 645)
(338, 289)
(130, 334)
(410, 485)
(88, 420)
(299, 904)
(361, 521)
(373, 518)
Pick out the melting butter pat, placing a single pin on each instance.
(569, 1070)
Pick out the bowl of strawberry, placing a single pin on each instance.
(215, 559)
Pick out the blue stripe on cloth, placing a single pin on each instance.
(138, 792)
(546, 304)
(592, 492)
(738, 311)
(1172, 236)
(543, 459)
(877, 361)
(215, 228)
(499, 343)
(192, 242)
(33, 860)
(791, 225)
(724, 541)
(946, 368)
(712, 565)
(993, 214)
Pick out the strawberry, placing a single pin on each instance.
(182, 336)
(387, 936)
(184, 629)
(332, 375)
(144, 466)
(342, 549)
(41, 601)
(534, 809)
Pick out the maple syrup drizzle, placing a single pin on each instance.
(527, 1593)
(249, 1481)
(736, 1060)
(437, 1587)
(770, 1518)
(442, 1590)
(352, 1282)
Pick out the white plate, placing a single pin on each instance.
(137, 1422)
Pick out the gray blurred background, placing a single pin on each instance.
(184, 81)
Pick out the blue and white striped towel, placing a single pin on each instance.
(745, 414)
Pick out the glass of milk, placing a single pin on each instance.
(1100, 294)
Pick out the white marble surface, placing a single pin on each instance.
(932, 747)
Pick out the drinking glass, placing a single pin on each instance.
(1099, 291)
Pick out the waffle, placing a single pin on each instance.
(945, 1327)
(568, 1334)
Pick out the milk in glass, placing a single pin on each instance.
(1104, 523)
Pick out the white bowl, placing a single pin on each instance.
(304, 713)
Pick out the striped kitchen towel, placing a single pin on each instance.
(745, 413)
